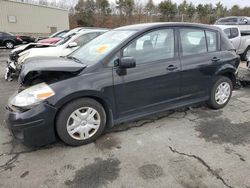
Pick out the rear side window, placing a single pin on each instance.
(231, 32)
(228, 32)
(234, 32)
(193, 41)
(211, 41)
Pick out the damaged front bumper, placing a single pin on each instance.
(12, 70)
(32, 127)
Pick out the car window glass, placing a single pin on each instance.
(1, 34)
(211, 41)
(232, 20)
(153, 46)
(193, 41)
(228, 32)
(234, 32)
(83, 39)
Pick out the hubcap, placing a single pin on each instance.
(222, 93)
(9, 45)
(83, 123)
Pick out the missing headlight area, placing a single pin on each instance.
(36, 77)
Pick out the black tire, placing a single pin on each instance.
(212, 103)
(9, 44)
(244, 55)
(64, 114)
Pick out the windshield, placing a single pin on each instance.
(98, 48)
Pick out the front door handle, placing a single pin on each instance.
(215, 59)
(171, 67)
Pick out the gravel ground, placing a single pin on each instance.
(192, 148)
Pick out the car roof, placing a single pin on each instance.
(91, 31)
(146, 26)
(226, 26)
(80, 33)
(234, 17)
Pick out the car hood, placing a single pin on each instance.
(29, 46)
(52, 65)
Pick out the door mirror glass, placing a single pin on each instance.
(126, 63)
(72, 45)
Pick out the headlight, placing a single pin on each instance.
(32, 95)
(23, 57)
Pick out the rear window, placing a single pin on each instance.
(228, 20)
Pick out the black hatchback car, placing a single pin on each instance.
(9, 40)
(124, 74)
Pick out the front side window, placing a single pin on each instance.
(152, 46)
(211, 41)
(193, 41)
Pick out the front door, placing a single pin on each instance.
(155, 80)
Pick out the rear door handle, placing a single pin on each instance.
(171, 67)
(215, 59)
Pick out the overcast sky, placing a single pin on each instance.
(228, 3)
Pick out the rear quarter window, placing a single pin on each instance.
(212, 41)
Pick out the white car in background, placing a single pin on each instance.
(63, 47)
(239, 39)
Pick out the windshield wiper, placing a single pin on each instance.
(74, 58)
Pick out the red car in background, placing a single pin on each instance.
(54, 38)
(50, 40)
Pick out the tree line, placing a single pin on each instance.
(103, 13)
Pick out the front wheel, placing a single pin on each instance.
(81, 122)
(221, 93)
(9, 44)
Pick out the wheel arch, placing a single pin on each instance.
(228, 72)
(6, 40)
(92, 95)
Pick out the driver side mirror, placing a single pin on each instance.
(72, 45)
(123, 64)
(245, 21)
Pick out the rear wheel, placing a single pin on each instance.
(9, 44)
(81, 121)
(246, 54)
(220, 93)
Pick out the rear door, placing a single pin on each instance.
(198, 55)
(155, 80)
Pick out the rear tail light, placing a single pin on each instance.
(18, 38)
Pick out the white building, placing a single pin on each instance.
(30, 19)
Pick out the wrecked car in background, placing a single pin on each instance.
(124, 74)
(62, 48)
(239, 39)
